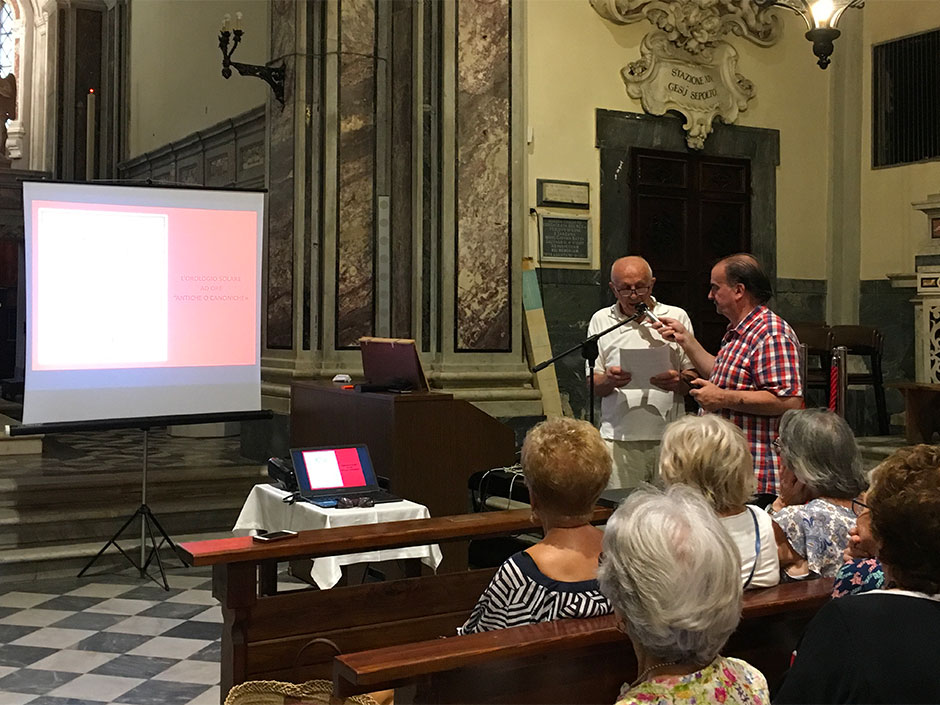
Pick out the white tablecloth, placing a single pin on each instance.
(265, 509)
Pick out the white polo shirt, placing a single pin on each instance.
(627, 414)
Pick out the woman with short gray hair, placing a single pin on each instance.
(820, 475)
(671, 573)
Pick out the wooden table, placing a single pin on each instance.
(922, 410)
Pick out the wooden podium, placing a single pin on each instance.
(426, 444)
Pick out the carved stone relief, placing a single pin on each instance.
(685, 65)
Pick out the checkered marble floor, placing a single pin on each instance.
(112, 639)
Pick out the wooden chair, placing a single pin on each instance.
(817, 337)
(865, 341)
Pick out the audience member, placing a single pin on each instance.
(820, 475)
(861, 571)
(671, 573)
(566, 466)
(880, 646)
(711, 454)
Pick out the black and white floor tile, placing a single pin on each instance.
(110, 639)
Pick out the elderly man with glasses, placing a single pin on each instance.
(630, 424)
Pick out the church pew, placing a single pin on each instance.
(264, 631)
(568, 661)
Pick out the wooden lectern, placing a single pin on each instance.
(426, 444)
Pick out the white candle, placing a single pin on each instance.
(90, 136)
(226, 22)
(238, 20)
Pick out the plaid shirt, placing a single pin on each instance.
(760, 353)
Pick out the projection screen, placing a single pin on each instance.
(141, 301)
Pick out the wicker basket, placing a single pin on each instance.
(315, 692)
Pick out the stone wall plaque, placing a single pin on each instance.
(565, 238)
(563, 194)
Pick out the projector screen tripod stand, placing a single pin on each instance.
(148, 522)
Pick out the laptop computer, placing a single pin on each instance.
(325, 474)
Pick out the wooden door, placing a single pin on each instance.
(688, 211)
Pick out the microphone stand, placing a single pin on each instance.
(589, 352)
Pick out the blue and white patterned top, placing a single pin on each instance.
(858, 576)
(818, 531)
(520, 594)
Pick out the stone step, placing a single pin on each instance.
(77, 490)
(19, 565)
(17, 445)
(49, 527)
(874, 449)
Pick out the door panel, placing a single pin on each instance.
(688, 211)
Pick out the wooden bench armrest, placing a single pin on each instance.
(786, 597)
(367, 537)
(385, 667)
(358, 672)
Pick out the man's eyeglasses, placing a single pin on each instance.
(778, 448)
(859, 507)
(634, 291)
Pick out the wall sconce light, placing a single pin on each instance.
(821, 17)
(272, 75)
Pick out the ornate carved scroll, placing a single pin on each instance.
(685, 65)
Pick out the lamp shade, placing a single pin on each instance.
(821, 17)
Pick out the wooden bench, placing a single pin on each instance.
(569, 661)
(264, 630)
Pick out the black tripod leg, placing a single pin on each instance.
(154, 551)
(166, 537)
(113, 540)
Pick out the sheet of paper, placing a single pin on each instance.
(643, 363)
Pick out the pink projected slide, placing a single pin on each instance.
(133, 286)
(333, 468)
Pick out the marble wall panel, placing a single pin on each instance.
(482, 298)
(800, 300)
(280, 245)
(569, 298)
(356, 172)
(402, 164)
(220, 167)
(889, 309)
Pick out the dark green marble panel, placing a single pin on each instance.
(800, 300)
(569, 299)
(890, 310)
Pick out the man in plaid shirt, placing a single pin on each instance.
(755, 376)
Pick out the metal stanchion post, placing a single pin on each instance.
(838, 378)
(804, 368)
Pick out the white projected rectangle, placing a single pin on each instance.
(322, 469)
(106, 298)
(141, 301)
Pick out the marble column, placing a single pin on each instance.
(282, 181)
(356, 164)
(484, 148)
(396, 193)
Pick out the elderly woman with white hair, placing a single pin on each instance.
(712, 455)
(671, 573)
(820, 474)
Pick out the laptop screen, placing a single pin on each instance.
(327, 471)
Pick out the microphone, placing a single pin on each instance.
(644, 310)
